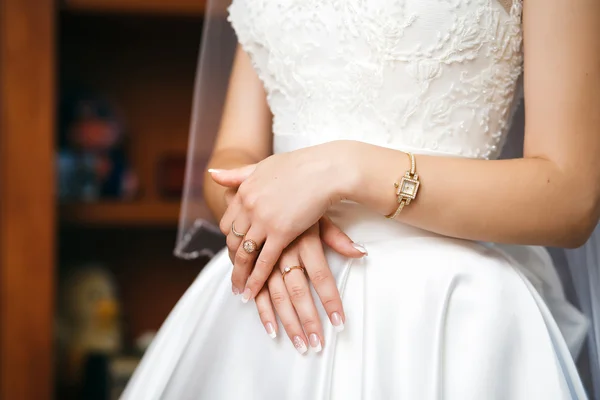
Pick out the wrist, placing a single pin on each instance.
(348, 175)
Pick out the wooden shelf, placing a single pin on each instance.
(176, 7)
(120, 213)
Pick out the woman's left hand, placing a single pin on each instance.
(289, 294)
(277, 200)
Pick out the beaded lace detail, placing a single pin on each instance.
(437, 75)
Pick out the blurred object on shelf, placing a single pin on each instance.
(88, 320)
(171, 175)
(92, 162)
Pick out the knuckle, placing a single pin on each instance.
(254, 281)
(231, 243)
(250, 201)
(242, 258)
(278, 297)
(330, 303)
(224, 227)
(310, 324)
(319, 277)
(263, 262)
(264, 314)
(298, 292)
(283, 225)
(244, 189)
(261, 214)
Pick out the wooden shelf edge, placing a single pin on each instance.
(120, 214)
(173, 7)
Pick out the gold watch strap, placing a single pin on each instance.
(398, 210)
(401, 200)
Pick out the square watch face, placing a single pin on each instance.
(409, 187)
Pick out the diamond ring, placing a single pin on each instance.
(287, 270)
(249, 246)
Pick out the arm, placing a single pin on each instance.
(245, 133)
(245, 138)
(552, 195)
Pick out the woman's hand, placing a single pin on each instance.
(291, 295)
(330, 234)
(277, 200)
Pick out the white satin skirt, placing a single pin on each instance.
(427, 317)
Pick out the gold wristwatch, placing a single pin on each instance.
(407, 188)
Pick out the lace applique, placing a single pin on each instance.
(435, 75)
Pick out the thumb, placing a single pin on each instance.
(335, 238)
(232, 177)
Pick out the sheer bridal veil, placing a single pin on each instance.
(198, 235)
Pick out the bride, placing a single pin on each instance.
(388, 252)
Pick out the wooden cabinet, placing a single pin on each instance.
(27, 211)
(142, 54)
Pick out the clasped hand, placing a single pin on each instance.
(275, 219)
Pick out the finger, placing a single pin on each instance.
(287, 313)
(319, 273)
(263, 266)
(234, 290)
(335, 238)
(232, 177)
(266, 312)
(244, 261)
(239, 227)
(230, 214)
(229, 195)
(301, 297)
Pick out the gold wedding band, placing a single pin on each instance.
(287, 270)
(249, 246)
(236, 233)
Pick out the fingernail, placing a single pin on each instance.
(315, 342)
(214, 171)
(235, 291)
(271, 330)
(336, 320)
(246, 295)
(300, 345)
(360, 248)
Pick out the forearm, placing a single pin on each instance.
(214, 194)
(523, 201)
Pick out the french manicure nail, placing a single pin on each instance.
(315, 342)
(360, 248)
(246, 295)
(270, 330)
(336, 321)
(235, 291)
(214, 170)
(300, 345)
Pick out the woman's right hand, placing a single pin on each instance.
(290, 296)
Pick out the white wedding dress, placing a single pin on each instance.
(428, 317)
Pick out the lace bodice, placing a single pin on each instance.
(431, 75)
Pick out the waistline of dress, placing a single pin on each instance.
(287, 143)
(363, 225)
